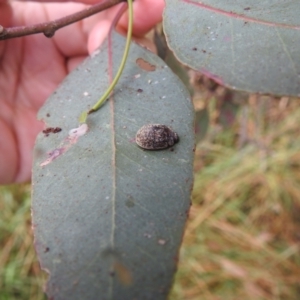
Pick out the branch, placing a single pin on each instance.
(49, 28)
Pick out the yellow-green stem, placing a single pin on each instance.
(84, 115)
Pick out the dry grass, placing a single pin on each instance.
(243, 235)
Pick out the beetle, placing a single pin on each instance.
(156, 137)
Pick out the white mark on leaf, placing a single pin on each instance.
(77, 132)
(161, 242)
(95, 53)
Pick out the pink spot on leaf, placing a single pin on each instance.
(53, 155)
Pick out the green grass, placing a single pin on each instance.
(242, 236)
(20, 275)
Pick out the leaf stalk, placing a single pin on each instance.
(105, 96)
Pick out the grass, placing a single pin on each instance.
(20, 275)
(242, 236)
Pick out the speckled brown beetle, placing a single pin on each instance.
(156, 137)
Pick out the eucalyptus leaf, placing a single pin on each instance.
(108, 217)
(247, 45)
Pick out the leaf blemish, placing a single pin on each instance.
(49, 130)
(77, 132)
(53, 155)
(161, 242)
(145, 65)
(72, 139)
(95, 53)
(123, 273)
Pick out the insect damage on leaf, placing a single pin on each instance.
(72, 139)
(75, 133)
(49, 130)
(145, 65)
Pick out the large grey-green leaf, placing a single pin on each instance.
(248, 45)
(108, 217)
